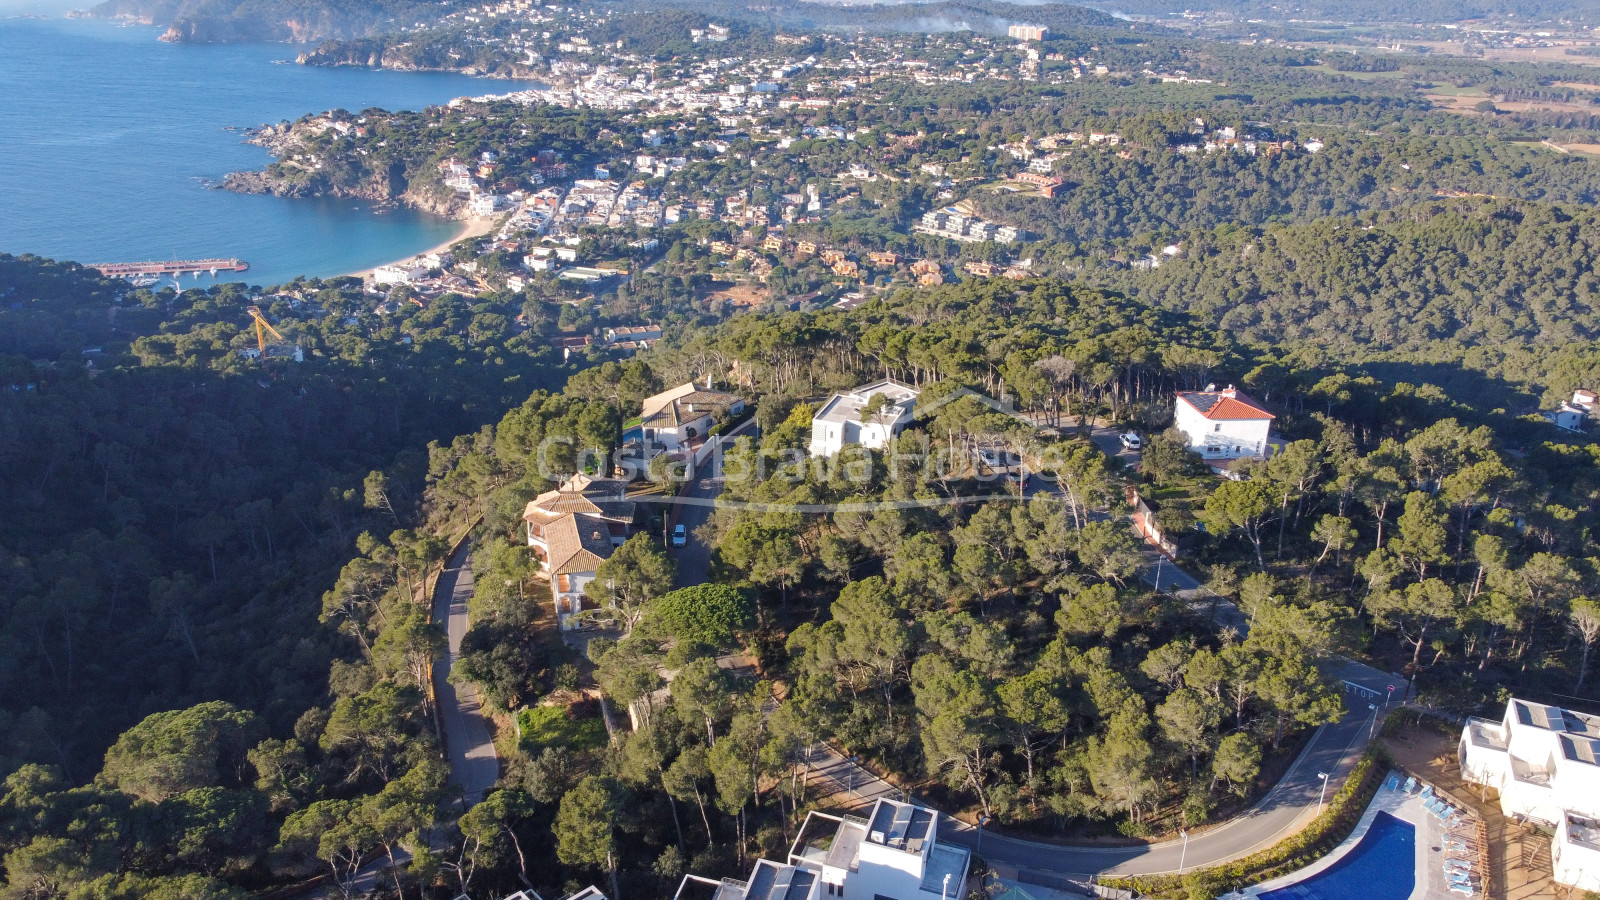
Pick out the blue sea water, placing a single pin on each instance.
(1381, 866)
(107, 135)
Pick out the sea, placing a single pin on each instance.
(109, 138)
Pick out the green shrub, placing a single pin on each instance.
(1296, 852)
(549, 726)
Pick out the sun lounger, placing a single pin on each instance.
(1427, 791)
(1458, 877)
(1411, 784)
(1392, 783)
(1431, 804)
(1462, 889)
(1458, 864)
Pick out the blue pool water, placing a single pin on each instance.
(1381, 866)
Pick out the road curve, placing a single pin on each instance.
(468, 742)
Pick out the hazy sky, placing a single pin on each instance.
(46, 7)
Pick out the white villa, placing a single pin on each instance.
(1545, 763)
(573, 529)
(1224, 424)
(893, 852)
(839, 422)
(674, 418)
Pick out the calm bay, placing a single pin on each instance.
(108, 138)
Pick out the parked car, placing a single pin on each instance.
(1130, 441)
(679, 536)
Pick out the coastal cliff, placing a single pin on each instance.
(301, 171)
(294, 21)
(418, 53)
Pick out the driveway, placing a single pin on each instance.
(474, 765)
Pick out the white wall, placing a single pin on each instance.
(1250, 435)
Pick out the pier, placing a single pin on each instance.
(171, 267)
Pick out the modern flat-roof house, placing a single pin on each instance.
(573, 529)
(839, 421)
(1224, 424)
(1545, 763)
(676, 417)
(893, 852)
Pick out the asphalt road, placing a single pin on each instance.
(693, 509)
(474, 765)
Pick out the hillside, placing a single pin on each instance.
(296, 21)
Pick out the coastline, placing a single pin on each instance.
(477, 226)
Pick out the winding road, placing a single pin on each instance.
(468, 741)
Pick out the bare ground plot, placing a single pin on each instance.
(735, 293)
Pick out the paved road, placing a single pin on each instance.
(693, 509)
(1109, 440)
(474, 766)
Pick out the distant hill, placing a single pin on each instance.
(297, 21)
(1359, 11)
(985, 16)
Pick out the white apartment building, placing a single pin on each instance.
(403, 272)
(839, 421)
(1545, 763)
(1224, 424)
(894, 852)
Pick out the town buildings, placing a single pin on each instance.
(1545, 763)
(1224, 424)
(840, 420)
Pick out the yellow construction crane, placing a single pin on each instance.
(261, 336)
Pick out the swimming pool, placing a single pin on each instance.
(1381, 866)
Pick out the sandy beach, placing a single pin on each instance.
(469, 228)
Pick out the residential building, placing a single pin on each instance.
(839, 421)
(675, 418)
(1028, 32)
(893, 852)
(589, 893)
(1575, 413)
(571, 530)
(1545, 763)
(403, 272)
(1224, 424)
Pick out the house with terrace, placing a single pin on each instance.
(847, 419)
(673, 420)
(571, 530)
(892, 852)
(1544, 761)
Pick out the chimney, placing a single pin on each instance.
(1211, 387)
(1230, 392)
(708, 381)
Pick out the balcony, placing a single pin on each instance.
(1525, 772)
(1486, 734)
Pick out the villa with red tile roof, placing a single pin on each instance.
(571, 530)
(1224, 424)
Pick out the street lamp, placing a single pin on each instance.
(944, 890)
(982, 821)
(1322, 793)
(1184, 855)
